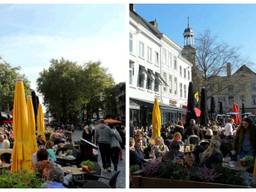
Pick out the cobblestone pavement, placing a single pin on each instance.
(121, 178)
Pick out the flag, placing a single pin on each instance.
(196, 96)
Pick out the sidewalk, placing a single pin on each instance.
(121, 166)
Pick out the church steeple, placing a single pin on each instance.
(188, 36)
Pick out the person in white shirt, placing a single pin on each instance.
(228, 129)
(6, 143)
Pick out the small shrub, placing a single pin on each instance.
(22, 179)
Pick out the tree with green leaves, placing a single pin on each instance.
(69, 89)
(8, 77)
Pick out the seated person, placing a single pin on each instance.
(6, 143)
(40, 140)
(40, 155)
(53, 175)
(174, 152)
(212, 156)
(136, 155)
(50, 151)
(178, 138)
(208, 133)
(159, 149)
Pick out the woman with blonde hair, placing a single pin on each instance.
(212, 155)
(159, 149)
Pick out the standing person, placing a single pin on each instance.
(87, 150)
(245, 140)
(103, 138)
(192, 129)
(228, 129)
(115, 147)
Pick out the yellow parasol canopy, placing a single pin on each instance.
(21, 154)
(156, 120)
(40, 122)
(31, 125)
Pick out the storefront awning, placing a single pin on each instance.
(134, 105)
(142, 69)
(162, 81)
(151, 75)
(139, 102)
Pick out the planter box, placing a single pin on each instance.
(149, 182)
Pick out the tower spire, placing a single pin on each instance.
(188, 21)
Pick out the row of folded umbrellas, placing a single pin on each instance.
(25, 129)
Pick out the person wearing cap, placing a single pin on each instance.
(245, 140)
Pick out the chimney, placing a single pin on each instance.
(131, 7)
(228, 69)
(154, 23)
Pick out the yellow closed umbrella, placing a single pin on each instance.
(31, 125)
(40, 122)
(156, 120)
(21, 153)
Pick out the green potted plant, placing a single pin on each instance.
(22, 179)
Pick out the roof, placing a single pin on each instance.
(246, 69)
(146, 24)
(188, 29)
(243, 68)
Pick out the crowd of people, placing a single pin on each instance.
(208, 146)
(109, 139)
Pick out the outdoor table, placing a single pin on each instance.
(63, 160)
(79, 174)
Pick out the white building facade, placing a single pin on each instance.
(156, 69)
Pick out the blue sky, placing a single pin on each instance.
(31, 35)
(230, 23)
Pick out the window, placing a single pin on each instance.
(175, 63)
(165, 78)
(180, 89)
(176, 85)
(131, 72)
(164, 56)
(185, 91)
(149, 83)
(185, 73)
(142, 74)
(170, 83)
(157, 83)
(188, 75)
(253, 86)
(149, 54)
(141, 50)
(131, 43)
(156, 58)
(170, 59)
(180, 71)
(254, 99)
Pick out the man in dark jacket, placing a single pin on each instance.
(103, 138)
